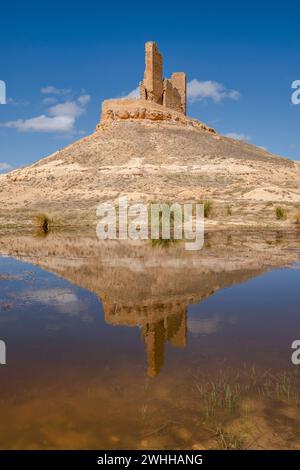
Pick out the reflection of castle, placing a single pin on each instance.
(146, 287)
(172, 329)
(159, 323)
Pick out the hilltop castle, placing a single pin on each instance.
(160, 99)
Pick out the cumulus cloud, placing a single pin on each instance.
(43, 123)
(199, 91)
(198, 326)
(5, 167)
(59, 118)
(69, 108)
(14, 102)
(49, 296)
(83, 100)
(237, 136)
(133, 94)
(65, 301)
(52, 90)
(50, 100)
(204, 326)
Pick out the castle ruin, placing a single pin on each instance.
(169, 92)
(160, 99)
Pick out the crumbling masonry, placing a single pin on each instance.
(169, 92)
(160, 99)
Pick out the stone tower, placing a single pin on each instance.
(169, 92)
(152, 85)
(179, 83)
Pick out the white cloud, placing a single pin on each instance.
(49, 296)
(61, 118)
(83, 100)
(237, 136)
(52, 90)
(207, 326)
(14, 102)
(64, 301)
(49, 100)
(199, 91)
(134, 94)
(204, 326)
(43, 123)
(69, 108)
(5, 167)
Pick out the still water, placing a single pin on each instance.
(132, 346)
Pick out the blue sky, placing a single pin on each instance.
(61, 59)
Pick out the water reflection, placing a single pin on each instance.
(152, 287)
(213, 362)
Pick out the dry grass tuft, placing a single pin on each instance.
(43, 223)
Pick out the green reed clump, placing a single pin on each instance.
(287, 387)
(229, 440)
(280, 213)
(165, 217)
(163, 242)
(219, 396)
(207, 208)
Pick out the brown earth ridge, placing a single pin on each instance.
(149, 150)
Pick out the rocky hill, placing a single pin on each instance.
(152, 154)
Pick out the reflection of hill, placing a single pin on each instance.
(152, 287)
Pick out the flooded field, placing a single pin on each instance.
(132, 346)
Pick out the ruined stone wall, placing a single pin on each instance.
(171, 96)
(179, 82)
(169, 92)
(152, 87)
(143, 93)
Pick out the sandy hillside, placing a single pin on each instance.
(153, 160)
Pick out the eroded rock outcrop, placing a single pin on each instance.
(131, 109)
